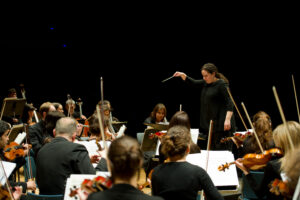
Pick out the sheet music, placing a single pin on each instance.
(9, 168)
(91, 146)
(75, 180)
(194, 134)
(20, 138)
(216, 158)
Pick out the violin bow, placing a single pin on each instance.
(283, 117)
(69, 108)
(208, 149)
(6, 181)
(237, 109)
(28, 156)
(99, 115)
(250, 122)
(296, 99)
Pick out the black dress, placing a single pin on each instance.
(214, 105)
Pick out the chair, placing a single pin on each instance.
(139, 137)
(247, 192)
(27, 172)
(33, 196)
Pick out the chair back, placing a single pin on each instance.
(33, 196)
(247, 192)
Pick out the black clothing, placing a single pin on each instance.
(57, 160)
(150, 120)
(250, 145)
(271, 172)
(214, 105)
(182, 180)
(122, 191)
(37, 136)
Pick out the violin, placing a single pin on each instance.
(13, 150)
(255, 161)
(97, 184)
(148, 181)
(279, 187)
(157, 134)
(4, 194)
(237, 138)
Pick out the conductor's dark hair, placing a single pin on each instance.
(211, 68)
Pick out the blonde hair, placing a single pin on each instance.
(280, 135)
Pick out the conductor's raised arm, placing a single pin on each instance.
(180, 74)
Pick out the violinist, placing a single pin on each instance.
(60, 158)
(125, 160)
(50, 123)
(58, 107)
(263, 128)
(107, 110)
(36, 135)
(272, 170)
(70, 108)
(20, 161)
(94, 144)
(28, 115)
(215, 104)
(178, 179)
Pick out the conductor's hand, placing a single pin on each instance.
(227, 125)
(181, 74)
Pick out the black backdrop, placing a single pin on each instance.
(135, 51)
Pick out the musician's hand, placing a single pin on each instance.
(31, 185)
(227, 125)
(181, 74)
(103, 153)
(83, 195)
(17, 193)
(83, 117)
(15, 120)
(26, 149)
(95, 158)
(239, 164)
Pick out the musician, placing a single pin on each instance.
(28, 114)
(263, 128)
(70, 108)
(60, 158)
(178, 179)
(215, 104)
(125, 160)
(50, 123)
(272, 169)
(20, 161)
(158, 115)
(36, 135)
(107, 110)
(291, 167)
(58, 107)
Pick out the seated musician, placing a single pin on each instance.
(50, 123)
(177, 178)
(36, 135)
(20, 161)
(28, 115)
(263, 128)
(125, 160)
(60, 158)
(95, 145)
(58, 107)
(291, 167)
(272, 169)
(70, 108)
(107, 109)
(158, 114)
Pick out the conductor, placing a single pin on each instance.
(215, 104)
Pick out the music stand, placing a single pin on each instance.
(148, 143)
(14, 132)
(12, 107)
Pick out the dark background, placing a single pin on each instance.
(60, 50)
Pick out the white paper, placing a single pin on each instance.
(20, 138)
(216, 158)
(9, 168)
(194, 134)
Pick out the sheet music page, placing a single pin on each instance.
(75, 181)
(216, 158)
(20, 138)
(194, 134)
(9, 168)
